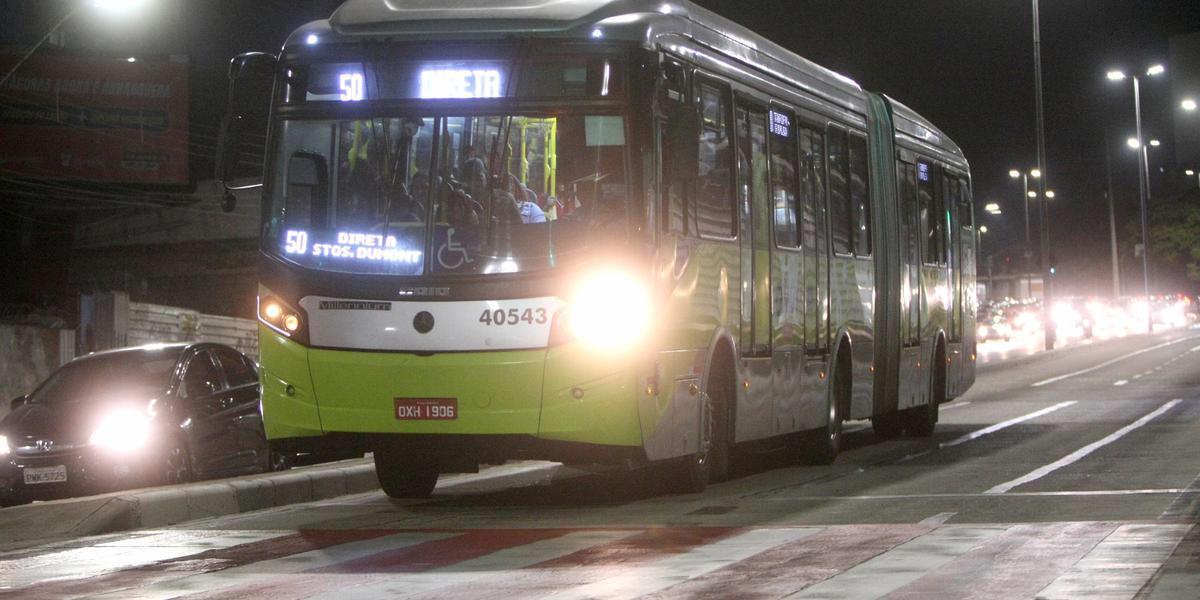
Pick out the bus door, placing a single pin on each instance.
(910, 283)
(814, 238)
(755, 207)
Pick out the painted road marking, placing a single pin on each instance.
(903, 561)
(1120, 382)
(1111, 362)
(470, 572)
(1082, 452)
(647, 579)
(1003, 424)
(1120, 566)
(969, 495)
(937, 520)
(892, 570)
(954, 405)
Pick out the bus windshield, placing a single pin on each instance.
(414, 195)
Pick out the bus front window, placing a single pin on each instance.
(511, 193)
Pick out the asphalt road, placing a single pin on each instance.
(1072, 474)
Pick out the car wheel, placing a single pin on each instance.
(278, 461)
(403, 473)
(177, 465)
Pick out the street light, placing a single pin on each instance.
(1024, 176)
(1143, 180)
(111, 7)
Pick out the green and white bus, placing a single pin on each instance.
(595, 231)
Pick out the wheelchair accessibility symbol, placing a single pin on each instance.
(452, 255)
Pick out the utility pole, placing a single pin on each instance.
(1112, 217)
(1048, 326)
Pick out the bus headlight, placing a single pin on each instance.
(4, 450)
(122, 431)
(277, 315)
(611, 310)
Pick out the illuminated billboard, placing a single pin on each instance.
(95, 119)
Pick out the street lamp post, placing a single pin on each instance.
(1026, 194)
(1143, 181)
(1047, 272)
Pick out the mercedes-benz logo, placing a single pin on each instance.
(44, 446)
(423, 322)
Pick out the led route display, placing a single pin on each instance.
(351, 245)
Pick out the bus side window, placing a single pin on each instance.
(839, 192)
(673, 96)
(715, 204)
(783, 178)
(926, 222)
(860, 200)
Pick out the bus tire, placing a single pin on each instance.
(922, 420)
(404, 473)
(821, 446)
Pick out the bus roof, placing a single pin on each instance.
(647, 22)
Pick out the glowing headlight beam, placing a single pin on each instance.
(122, 431)
(611, 311)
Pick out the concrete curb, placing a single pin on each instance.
(160, 507)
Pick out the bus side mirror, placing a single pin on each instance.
(18, 403)
(246, 71)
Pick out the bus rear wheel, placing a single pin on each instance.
(404, 473)
(821, 446)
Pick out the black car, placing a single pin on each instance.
(151, 415)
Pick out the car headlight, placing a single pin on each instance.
(4, 450)
(610, 310)
(122, 431)
(277, 315)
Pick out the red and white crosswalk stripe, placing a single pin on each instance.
(907, 561)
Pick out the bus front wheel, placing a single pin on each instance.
(404, 473)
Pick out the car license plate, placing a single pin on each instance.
(426, 409)
(36, 475)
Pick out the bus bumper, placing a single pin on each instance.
(560, 395)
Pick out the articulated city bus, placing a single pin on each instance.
(597, 231)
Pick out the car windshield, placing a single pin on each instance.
(448, 195)
(119, 376)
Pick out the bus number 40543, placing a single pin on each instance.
(514, 316)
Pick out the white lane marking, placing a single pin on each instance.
(954, 405)
(1196, 349)
(901, 565)
(1119, 566)
(474, 570)
(1148, 373)
(639, 580)
(1082, 452)
(969, 495)
(938, 520)
(1111, 362)
(998, 426)
(1120, 382)
(1138, 376)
